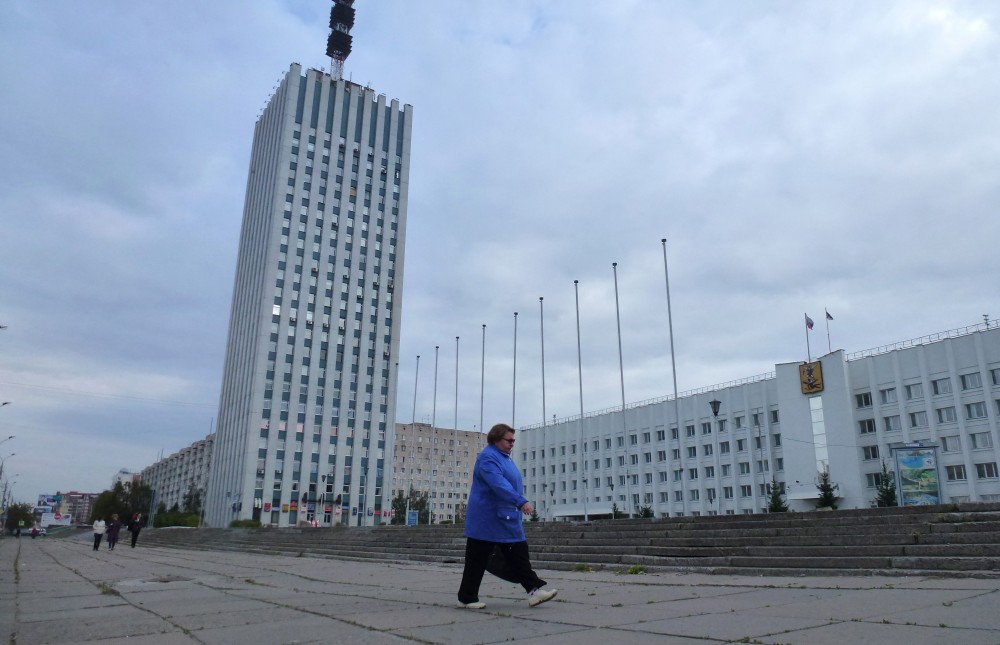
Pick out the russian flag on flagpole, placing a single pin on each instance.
(809, 322)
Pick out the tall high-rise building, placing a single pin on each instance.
(307, 409)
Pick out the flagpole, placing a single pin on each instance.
(670, 325)
(621, 372)
(454, 437)
(513, 397)
(808, 350)
(829, 345)
(413, 419)
(482, 380)
(579, 367)
(435, 404)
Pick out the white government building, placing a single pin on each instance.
(307, 408)
(935, 399)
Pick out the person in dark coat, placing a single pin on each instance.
(114, 526)
(134, 526)
(493, 523)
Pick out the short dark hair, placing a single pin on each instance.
(497, 433)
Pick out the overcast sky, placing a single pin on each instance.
(797, 155)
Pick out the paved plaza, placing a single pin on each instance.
(61, 591)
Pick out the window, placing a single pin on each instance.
(744, 467)
(975, 410)
(727, 492)
(746, 490)
(673, 433)
(892, 424)
(692, 473)
(741, 445)
(971, 381)
(946, 415)
(776, 440)
(918, 419)
(694, 494)
(678, 496)
(987, 470)
(873, 479)
(864, 400)
(689, 430)
(763, 466)
(915, 391)
(981, 440)
(870, 452)
(675, 453)
(955, 473)
(722, 425)
(941, 386)
(951, 444)
(706, 450)
(692, 452)
(709, 471)
(774, 416)
(646, 437)
(706, 428)
(995, 375)
(887, 395)
(867, 426)
(724, 448)
(727, 470)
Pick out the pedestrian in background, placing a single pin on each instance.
(134, 526)
(99, 528)
(114, 526)
(493, 522)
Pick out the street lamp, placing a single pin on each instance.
(760, 448)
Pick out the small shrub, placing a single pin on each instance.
(582, 567)
(252, 524)
(636, 569)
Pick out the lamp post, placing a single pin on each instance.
(715, 404)
(760, 451)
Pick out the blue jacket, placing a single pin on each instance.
(495, 499)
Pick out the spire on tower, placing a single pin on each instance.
(338, 45)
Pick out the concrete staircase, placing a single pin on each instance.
(945, 540)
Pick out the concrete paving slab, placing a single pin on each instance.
(865, 632)
(169, 596)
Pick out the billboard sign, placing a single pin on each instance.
(917, 474)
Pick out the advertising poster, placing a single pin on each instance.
(917, 474)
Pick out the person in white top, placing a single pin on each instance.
(99, 528)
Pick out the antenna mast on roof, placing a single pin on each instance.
(338, 45)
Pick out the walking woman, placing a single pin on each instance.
(99, 528)
(493, 522)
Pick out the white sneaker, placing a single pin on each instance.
(538, 596)
(472, 605)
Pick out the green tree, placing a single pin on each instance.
(885, 488)
(17, 513)
(827, 499)
(646, 512)
(775, 503)
(418, 502)
(534, 515)
(192, 500)
(125, 500)
(616, 512)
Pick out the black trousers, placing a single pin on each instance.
(135, 536)
(97, 540)
(515, 566)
